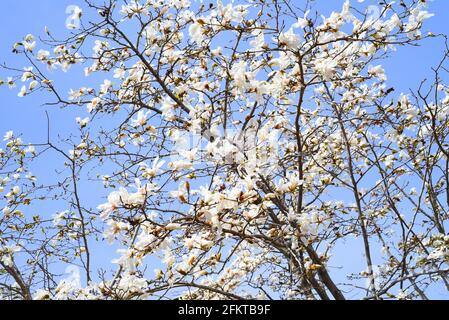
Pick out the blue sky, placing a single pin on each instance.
(405, 70)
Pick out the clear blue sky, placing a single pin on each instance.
(405, 70)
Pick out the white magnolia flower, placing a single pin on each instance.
(189, 154)
(141, 119)
(119, 73)
(82, 122)
(8, 136)
(196, 32)
(378, 72)
(289, 39)
(302, 22)
(326, 67)
(104, 88)
(22, 92)
(389, 160)
(29, 46)
(43, 55)
(77, 12)
(151, 172)
(27, 74)
(59, 217)
(33, 85)
(134, 8)
(93, 104)
(180, 165)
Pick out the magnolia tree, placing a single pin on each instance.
(253, 151)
